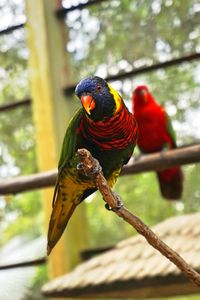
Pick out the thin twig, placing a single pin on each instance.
(89, 165)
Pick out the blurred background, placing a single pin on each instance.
(103, 39)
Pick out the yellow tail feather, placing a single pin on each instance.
(62, 211)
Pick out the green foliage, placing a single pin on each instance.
(13, 73)
(17, 142)
(135, 31)
(21, 216)
(192, 188)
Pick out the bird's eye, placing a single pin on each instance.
(98, 88)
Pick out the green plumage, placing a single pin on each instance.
(170, 130)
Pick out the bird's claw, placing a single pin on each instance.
(90, 172)
(97, 169)
(119, 204)
(79, 166)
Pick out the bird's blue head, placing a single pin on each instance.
(100, 101)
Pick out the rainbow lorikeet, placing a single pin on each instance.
(156, 134)
(108, 130)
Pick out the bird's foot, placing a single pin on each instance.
(95, 170)
(79, 166)
(119, 204)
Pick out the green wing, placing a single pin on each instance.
(68, 146)
(70, 140)
(170, 130)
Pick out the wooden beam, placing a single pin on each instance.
(49, 72)
(146, 163)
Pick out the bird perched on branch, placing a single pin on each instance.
(106, 128)
(156, 134)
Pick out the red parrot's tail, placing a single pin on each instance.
(171, 183)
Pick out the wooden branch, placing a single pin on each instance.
(146, 163)
(89, 167)
(163, 160)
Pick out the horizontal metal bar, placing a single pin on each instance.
(146, 163)
(146, 69)
(10, 29)
(70, 89)
(30, 263)
(61, 13)
(12, 105)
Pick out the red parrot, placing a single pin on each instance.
(156, 134)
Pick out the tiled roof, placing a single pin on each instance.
(133, 264)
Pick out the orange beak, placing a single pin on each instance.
(88, 103)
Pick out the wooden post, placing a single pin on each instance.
(49, 73)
